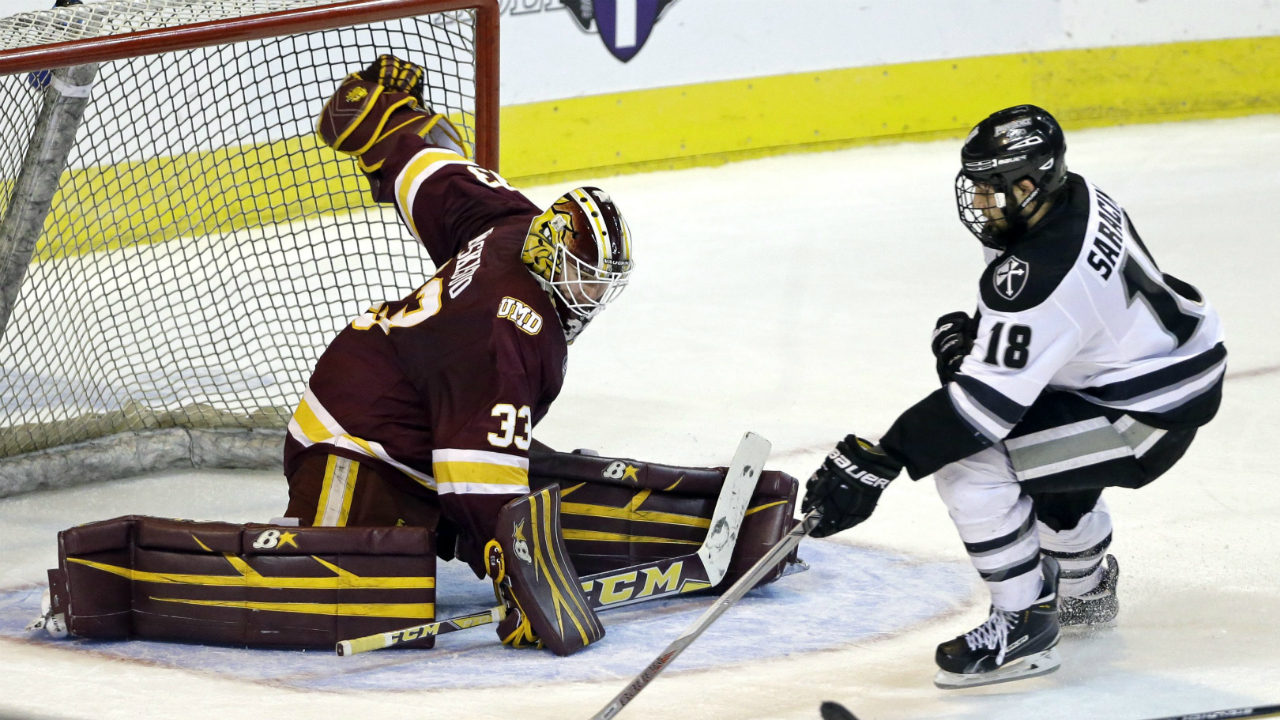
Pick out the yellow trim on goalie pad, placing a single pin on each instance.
(542, 552)
(412, 611)
(252, 578)
(633, 512)
(599, 536)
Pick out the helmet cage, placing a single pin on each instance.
(984, 221)
(581, 287)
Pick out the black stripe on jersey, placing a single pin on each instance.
(1004, 541)
(1166, 378)
(996, 403)
(931, 434)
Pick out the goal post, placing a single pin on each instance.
(176, 245)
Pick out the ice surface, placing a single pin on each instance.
(794, 297)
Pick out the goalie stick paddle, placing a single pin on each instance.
(697, 571)
(762, 567)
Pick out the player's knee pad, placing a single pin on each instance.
(618, 512)
(255, 585)
(536, 577)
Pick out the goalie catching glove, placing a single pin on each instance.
(847, 486)
(373, 107)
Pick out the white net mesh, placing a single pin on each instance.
(203, 247)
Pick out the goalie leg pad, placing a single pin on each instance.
(255, 585)
(540, 576)
(617, 512)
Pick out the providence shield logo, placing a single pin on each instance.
(1011, 277)
(624, 25)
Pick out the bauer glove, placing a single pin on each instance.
(847, 486)
(952, 342)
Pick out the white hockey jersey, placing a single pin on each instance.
(1077, 305)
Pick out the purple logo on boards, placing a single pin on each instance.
(624, 25)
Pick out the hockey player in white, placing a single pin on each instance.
(1085, 367)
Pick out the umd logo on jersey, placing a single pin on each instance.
(1011, 277)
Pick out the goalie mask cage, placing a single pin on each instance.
(176, 245)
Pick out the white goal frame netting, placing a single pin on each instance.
(176, 247)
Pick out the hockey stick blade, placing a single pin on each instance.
(748, 581)
(1257, 711)
(835, 711)
(369, 643)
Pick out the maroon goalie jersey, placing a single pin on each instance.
(446, 384)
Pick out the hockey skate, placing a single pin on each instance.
(1009, 645)
(1095, 607)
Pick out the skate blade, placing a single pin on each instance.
(1028, 667)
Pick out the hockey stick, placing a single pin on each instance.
(836, 711)
(763, 566)
(663, 578)
(440, 627)
(1258, 711)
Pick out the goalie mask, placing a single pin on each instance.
(1015, 144)
(580, 251)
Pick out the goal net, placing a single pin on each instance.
(176, 246)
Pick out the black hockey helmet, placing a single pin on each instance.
(1015, 144)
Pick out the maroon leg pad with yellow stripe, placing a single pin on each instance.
(616, 513)
(542, 576)
(255, 585)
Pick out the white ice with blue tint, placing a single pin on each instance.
(890, 592)
(794, 297)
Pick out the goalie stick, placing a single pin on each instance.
(699, 570)
(439, 627)
(718, 608)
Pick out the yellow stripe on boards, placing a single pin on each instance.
(413, 611)
(714, 123)
(704, 124)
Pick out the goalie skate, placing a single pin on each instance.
(1008, 646)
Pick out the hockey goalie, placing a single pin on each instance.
(414, 439)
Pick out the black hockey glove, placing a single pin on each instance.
(952, 341)
(845, 489)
